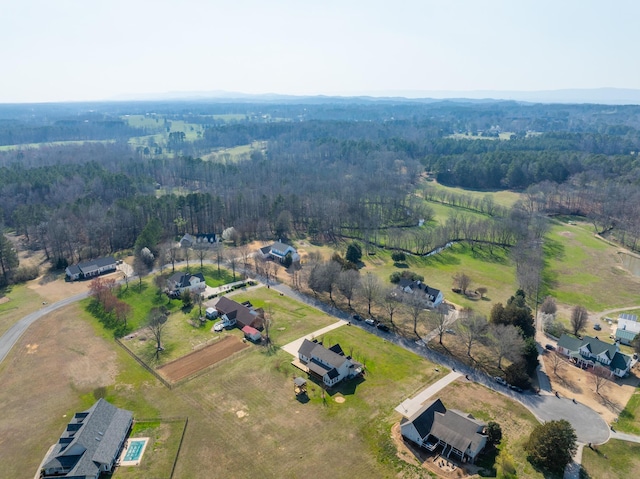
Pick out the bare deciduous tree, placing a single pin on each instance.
(232, 262)
(579, 318)
(549, 305)
(202, 253)
(557, 362)
(415, 304)
(437, 320)
(505, 342)
(156, 321)
(173, 257)
(482, 290)
(472, 328)
(391, 302)
(218, 250)
(462, 281)
(370, 288)
(599, 378)
(348, 283)
(245, 251)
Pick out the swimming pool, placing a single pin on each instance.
(133, 451)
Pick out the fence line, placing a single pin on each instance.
(175, 461)
(144, 365)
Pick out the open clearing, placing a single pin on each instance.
(198, 360)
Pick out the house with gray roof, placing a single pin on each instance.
(233, 313)
(91, 268)
(329, 365)
(457, 433)
(181, 282)
(432, 296)
(588, 351)
(278, 251)
(90, 444)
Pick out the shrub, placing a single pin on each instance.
(399, 257)
(26, 273)
(397, 276)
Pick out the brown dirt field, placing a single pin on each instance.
(573, 382)
(201, 359)
(58, 359)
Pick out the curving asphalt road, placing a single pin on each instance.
(9, 339)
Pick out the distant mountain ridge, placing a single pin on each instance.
(605, 96)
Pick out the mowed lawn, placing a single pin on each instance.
(613, 460)
(581, 269)
(251, 412)
(503, 197)
(15, 303)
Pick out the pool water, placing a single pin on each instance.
(134, 450)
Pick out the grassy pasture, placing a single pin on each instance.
(23, 146)
(613, 460)
(20, 301)
(629, 418)
(503, 197)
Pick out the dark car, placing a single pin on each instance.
(357, 317)
(515, 388)
(550, 347)
(597, 327)
(383, 327)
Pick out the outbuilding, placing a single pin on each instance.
(252, 334)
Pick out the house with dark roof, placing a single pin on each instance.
(329, 365)
(433, 296)
(189, 240)
(90, 444)
(588, 351)
(91, 268)
(180, 282)
(278, 251)
(234, 313)
(433, 425)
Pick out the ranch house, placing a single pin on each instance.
(232, 312)
(433, 296)
(90, 444)
(588, 351)
(329, 365)
(91, 268)
(457, 433)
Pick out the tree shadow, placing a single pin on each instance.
(302, 398)
(401, 265)
(553, 249)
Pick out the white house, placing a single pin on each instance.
(252, 334)
(588, 351)
(331, 365)
(433, 296)
(91, 268)
(433, 426)
(278, 251)
(181, 282)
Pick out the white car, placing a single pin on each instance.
(370, 322)
(499, 380)
(219, 326)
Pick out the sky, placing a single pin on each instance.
(77, 50)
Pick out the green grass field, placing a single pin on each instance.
(51, 143)
(20, 301)
(613, 460)
(629, 418)
(503, 197)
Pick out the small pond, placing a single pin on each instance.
(631, 263)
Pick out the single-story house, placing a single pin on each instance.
(189, 240)
(278, 251)
(91, 268)
(628, 328)
(434, 425)
(588, 351)
(180, 282)
(252, 334)
(433, 296)
(330, 365)
(90, 444)
(243, 314)
(211, 313)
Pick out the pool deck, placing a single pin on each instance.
(122, 462)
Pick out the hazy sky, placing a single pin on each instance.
(58, 50)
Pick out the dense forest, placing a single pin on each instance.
(326, 168)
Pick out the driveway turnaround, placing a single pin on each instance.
(293, 347)
(409, 406)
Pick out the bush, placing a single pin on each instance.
(397, 276)
(26, 273)
(399, 257)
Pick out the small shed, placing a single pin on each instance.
(252, 334)
(212, 313)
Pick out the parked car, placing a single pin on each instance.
(357, 317)
(499, 380)
(597, 327)
(515, 388)
(383, 327)
(550, 347)
(449, 331)
(219, 326)
(370, 322)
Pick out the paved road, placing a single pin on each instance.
(9, 339)
(625, 437)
